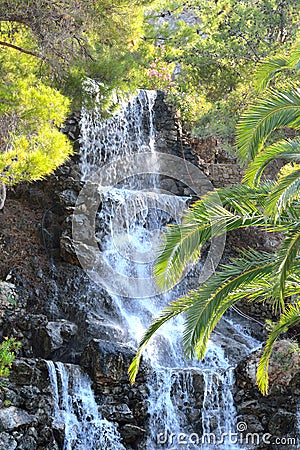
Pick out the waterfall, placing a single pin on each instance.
(75, 408)
(130, 130)
(187, 398)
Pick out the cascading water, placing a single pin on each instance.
(76, 409)
(130, 130)
(131, 216)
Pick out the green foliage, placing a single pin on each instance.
(7, 355)
(71, 32)
(277, 109)
(30, 114)
(215, 47)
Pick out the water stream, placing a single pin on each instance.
(191, 401)
(76, 410)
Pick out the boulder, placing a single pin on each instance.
(53, 336)
(120, 413)
(70, 255)
(107, 362)
(23, 371)
(275, 414)
(284, 364)
(132, 433)
(7, 442)
(68, 197)
(12, 418)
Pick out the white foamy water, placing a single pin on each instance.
(76, 410)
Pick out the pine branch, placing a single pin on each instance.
(22, 50)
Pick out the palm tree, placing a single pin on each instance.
(270, 205)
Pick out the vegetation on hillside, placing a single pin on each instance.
(215, 47)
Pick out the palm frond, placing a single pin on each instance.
(278, 109)
(294, 58)
(212, 216)
(288, 319)
(285, 261)
(181, 246)
(285, 149)
(268, 69)
(206, 302)
(172, 310)
(210, 298)
(283, 194)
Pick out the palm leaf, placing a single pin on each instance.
(294, 58)
(285, 261)
(285, 149)
(206, 219)
(278, 109)
(268, 69)
(172, 310)
(181, 246)
(206, 303)
(283, 194)
(288, 319)
(234, 275)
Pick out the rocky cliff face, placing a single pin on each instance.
(61, 316)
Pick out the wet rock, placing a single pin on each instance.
(68, 197)
(67, 251)
(70, 254)
(53, 336)
(23, 370)
(83, 222)
(12, 418)
(26, 423)
(120, 413)
(282, 422)
(132, 433)
(252, 423)
(59, 433)
(107, 362)
(27, 443)
(7, 442)
(169, 185)
(97, 327)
